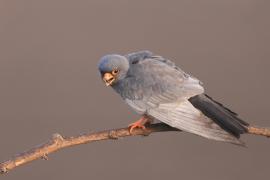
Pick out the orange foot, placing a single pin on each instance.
(139, 124)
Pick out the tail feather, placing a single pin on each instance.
(224, 117)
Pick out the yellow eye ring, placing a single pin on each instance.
(114, 72)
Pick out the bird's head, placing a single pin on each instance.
(113, 68)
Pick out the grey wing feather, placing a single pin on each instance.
(153, 76)
(187, 118)
(138, 56)
(142, 55)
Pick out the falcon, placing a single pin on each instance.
(157, 89)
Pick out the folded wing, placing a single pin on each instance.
(186, 117)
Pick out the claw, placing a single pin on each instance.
(138, 124)
(135, 125)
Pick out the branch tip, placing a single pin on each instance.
(3, 170)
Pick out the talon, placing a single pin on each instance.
(139, 124)
(135, 125)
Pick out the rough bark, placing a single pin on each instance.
(58, 142)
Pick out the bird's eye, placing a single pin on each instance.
(114, 72)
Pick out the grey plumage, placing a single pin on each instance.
(155, 86)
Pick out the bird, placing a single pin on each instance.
(157, 89)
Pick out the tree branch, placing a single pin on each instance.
(259, 131)
(58, 142)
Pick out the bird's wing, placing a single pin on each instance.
(156, 80)
(157, 87)
(144, 55)
(187, 118)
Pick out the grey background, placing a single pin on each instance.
(49, 83)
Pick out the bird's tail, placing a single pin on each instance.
(224, 117)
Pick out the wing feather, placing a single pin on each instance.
(151, 77)
(187, 118)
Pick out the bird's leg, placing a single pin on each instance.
(140, 123)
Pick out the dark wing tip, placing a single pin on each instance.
(224, 117)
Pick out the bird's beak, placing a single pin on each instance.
(108, 78)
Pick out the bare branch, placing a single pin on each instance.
(259, 131)
(58, 142)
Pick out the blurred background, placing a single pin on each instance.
(49, 52)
